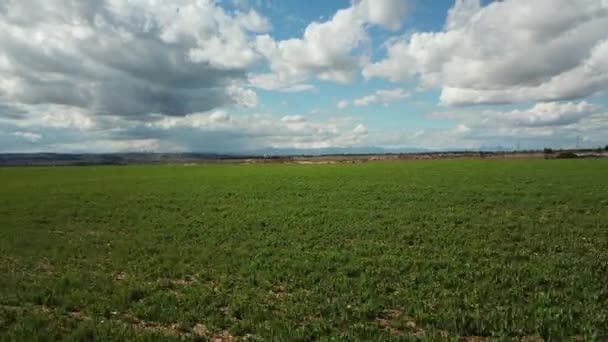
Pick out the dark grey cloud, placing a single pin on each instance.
(126, 61)
(8, 111)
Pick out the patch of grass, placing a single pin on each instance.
(504, 249)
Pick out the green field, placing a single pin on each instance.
(439, 250)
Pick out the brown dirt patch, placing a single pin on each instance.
(393, 321)
(200, 330)
(187, 280)
(80, 316)
(120, 276)
(223, 337)
(45, 266)
(153, 327)
(473, 339)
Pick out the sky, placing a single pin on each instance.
(238, 76)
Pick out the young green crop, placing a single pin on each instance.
(504, 249)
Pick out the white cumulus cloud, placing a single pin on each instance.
(29, 136)
(507, 51)
(342, 104)
(384, 96)
(326, 48)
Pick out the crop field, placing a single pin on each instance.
(438, 250)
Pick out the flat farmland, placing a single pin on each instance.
(421, 250)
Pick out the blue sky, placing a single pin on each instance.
(252, 75)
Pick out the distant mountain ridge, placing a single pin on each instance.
(274, 154)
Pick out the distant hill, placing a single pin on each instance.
(276, 155)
